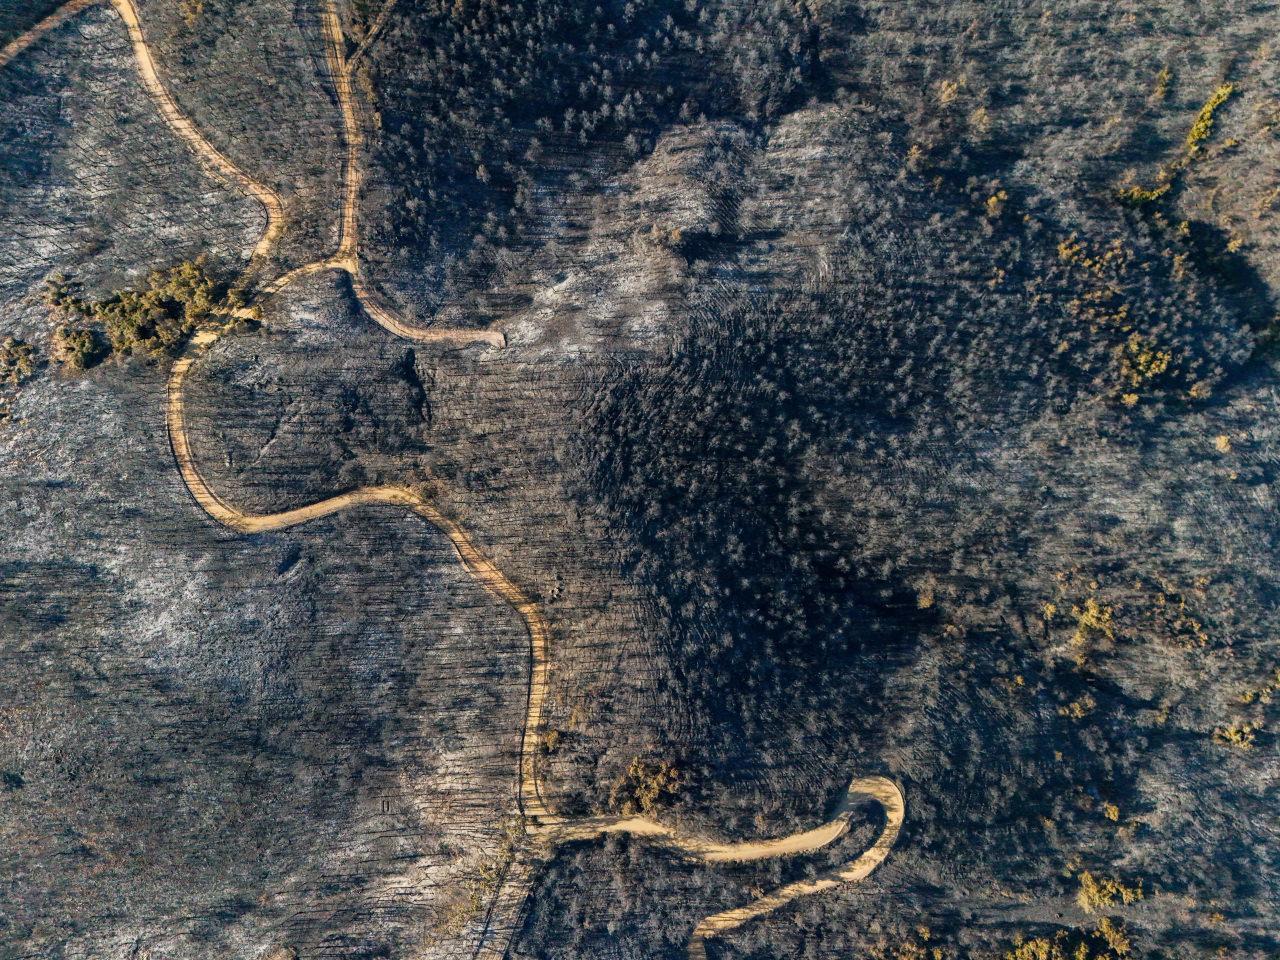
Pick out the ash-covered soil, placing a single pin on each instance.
(889, 389)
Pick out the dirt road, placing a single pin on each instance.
(545, 829)
(347, 257)
(542, 826)
(60, 16)
(178, 122)
(210, 156)
(883, 791)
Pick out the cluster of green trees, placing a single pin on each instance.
(17, 366)
(158, 318)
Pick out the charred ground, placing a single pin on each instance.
(889, 390)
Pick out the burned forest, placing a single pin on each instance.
(639, 480)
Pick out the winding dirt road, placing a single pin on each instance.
(545, 829)
(880, 789)
(210, 156)
(186, 131)
(347, 257)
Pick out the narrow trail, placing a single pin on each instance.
(186, 131)
(375, 29)
(544, 829)
(60, 16)
(347, 257)
(210, 156)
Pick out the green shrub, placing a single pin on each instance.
(175, 303)
(1098, 893)
(17, 361)
(646, 784)
(1110, 941)
(1202, 129)
(77, 347)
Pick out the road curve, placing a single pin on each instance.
(712, 851)
(544, 827)
(347, 257)
(480, 567)
(186, 131)
(210, 156)
(25, 39)
(541, 824)
(881, 789)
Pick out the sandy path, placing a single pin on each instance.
(186, 131)
(340, 70)
(880, 789)
(712, 851)
(542, 826)
(210, 156)
(347, 257)
(20, 43)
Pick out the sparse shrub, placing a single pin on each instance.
(1199, 134)
(17, 365)
(913, 948)
(1240, 735)
(1093, 620)
(1099, 893)
(1163, 79)
(1108, 941)
(1115, 935)
(17, 361)
(980, 121)
(550, 741)
(1141, 362)
(1079, 708)
(1139, 196)
(465, 900)
(646, 784)
(1264, 692)
(77, 347)
(1202, 129)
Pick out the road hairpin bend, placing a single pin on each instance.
(543, 829)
